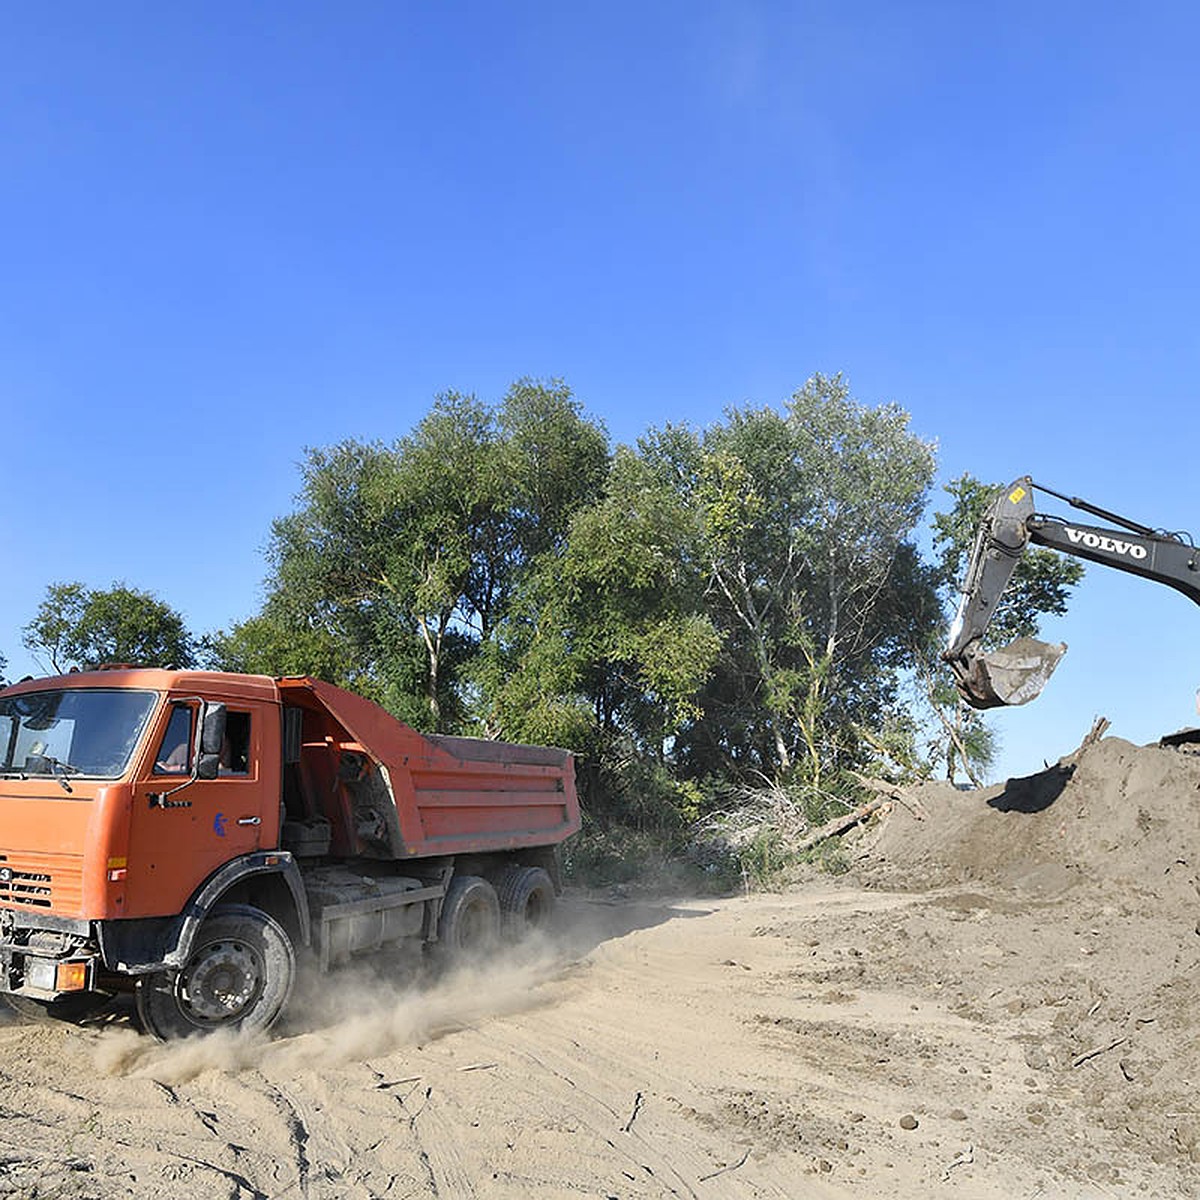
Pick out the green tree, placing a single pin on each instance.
(80, 627)
(557, 460)
(269, 644)
(628, 608)
(325, 605)
(418, 546)
(808, 516)
(377, 554)
(608, 643)
(738, 604)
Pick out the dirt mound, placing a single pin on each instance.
(1114, 819)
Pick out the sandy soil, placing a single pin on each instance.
(998, 1001)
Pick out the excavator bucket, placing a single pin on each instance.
(1014, 675)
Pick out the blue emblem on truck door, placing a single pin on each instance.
(219, 824)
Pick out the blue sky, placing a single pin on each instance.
(233, 231)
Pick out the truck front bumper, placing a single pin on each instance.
(45, 958)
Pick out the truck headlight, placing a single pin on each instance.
(40, 973)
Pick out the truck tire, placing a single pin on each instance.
(470, 922)
(527, 901)
(238, 976)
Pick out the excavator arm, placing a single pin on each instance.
(1017, 673)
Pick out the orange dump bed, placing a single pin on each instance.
(389, 791)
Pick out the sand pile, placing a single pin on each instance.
(1113, 820)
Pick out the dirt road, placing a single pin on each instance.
(977, 1011)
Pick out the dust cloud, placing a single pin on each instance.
(354, 1013)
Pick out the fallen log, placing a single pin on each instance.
(893, 791)
(840, 824)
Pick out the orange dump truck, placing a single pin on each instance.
(183, 834)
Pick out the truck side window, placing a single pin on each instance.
(175, 753)
(235, 753)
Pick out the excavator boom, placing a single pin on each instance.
(1017, 673)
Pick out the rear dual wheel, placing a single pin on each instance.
(469, 925)
(476, 915)
(528, 901)
(239, 976)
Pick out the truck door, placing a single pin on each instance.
(183, 829)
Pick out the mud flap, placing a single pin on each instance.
(1014, 675)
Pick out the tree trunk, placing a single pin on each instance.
(433, 647)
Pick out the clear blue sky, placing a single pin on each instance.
(232, 231)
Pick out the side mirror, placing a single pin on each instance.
(212, 738)
(212, 729)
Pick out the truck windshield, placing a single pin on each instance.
(72, 732)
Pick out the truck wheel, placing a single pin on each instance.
(239, 976)
(527, 901)
(470, 919)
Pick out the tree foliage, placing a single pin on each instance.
(610, 629)
(739, 602)
(733, 603)
(812, 577)
(398, 561)
(79, 627)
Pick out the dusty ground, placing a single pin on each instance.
(1000, 1001)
